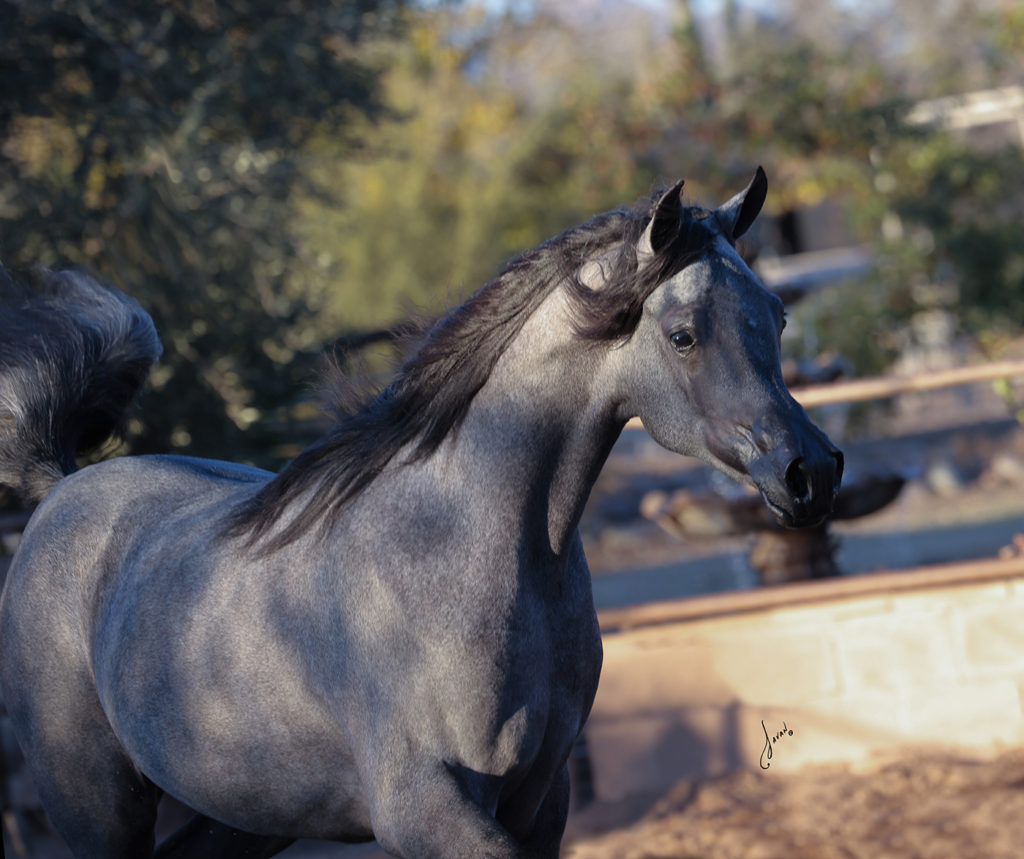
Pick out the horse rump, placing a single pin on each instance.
(73, 355)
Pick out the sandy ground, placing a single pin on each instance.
(933, 806)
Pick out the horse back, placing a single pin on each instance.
(79, 536)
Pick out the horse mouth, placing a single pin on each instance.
(810, 494)
(792, 519)
(799, 491)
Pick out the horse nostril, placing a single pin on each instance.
(798, 480)
(837, 455)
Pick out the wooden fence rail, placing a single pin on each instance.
(881, 583)
(882, 387)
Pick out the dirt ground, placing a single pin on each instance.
(923, 805)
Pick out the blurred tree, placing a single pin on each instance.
(691, 76)
(812, 114)
(942, 213)
(954, 232)
(946, 48)
(155, 141)
(472, 164)
(263, 176)
(832, 122)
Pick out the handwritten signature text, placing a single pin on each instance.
(770, 741)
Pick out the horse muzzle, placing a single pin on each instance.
(799, 484)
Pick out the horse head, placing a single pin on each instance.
(705, 357)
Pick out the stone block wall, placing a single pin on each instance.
(839, 677)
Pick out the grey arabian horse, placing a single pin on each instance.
(395, 637)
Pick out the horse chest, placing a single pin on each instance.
(546, 678)
(502, 673)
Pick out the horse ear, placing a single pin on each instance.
(738, 214)
(664, 223)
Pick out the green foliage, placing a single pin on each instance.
(831, 122)
(948, 243)
(464, 173)
(812, 114)
(266, 177)
(156, 142)
(951, 242)
(964, 211)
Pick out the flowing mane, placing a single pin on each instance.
(433, 390)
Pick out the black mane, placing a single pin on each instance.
(432, 391)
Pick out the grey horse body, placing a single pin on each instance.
(415, 669)
(470, 646)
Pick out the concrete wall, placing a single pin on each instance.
(922, 661)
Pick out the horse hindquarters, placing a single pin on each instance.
(96, 799)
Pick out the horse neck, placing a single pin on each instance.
(541, 428)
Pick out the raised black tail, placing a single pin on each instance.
(73, 355)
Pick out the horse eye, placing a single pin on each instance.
(682, 340)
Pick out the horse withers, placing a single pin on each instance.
(395, 637)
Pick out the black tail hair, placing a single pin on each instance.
(73, 355)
